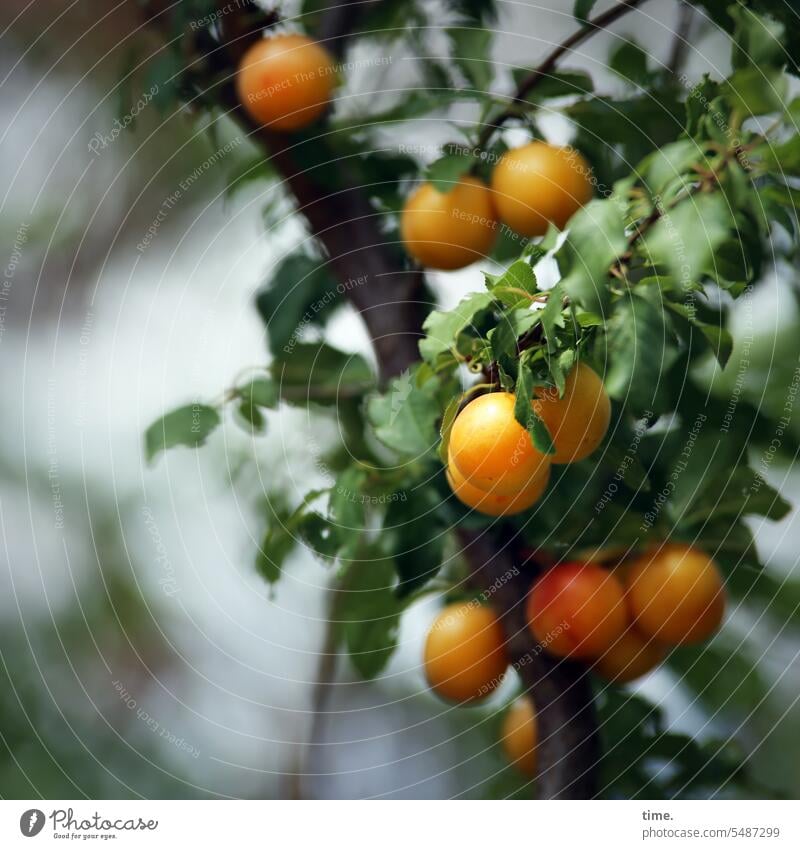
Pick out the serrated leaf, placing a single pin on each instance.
(190, 426)
(552, 315)
(404, 418)
(595, 240)
(525, 414)
(640, 349)
(514, 284)
(685, 238)
(443, 328)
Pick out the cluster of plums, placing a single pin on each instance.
(531, 187)
(285, 82)
(621, 621)
(493, 466)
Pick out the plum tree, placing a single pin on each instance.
(492, 504)
(520, 734)
(579, 419)
(539, 184)
(449, 230)
(693, 191)
(577, 610)
(465, 657)
(491, 449)
(675, 594)
(285, 82)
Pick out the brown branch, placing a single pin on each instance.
(568, 748)
(548, 64)
(680, 40)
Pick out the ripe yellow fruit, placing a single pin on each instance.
(538, 184)
(449, 230)
(520, 735)
(578, 421)
(285, 82)
(577, 610)
(464, 652)
(630, 657)
(675, 594)
(491, 504)
(491, 449)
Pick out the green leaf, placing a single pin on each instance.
(666, 164)
(279, 538)
(583, 9)
(741, 492)
(405, 417)
(316, 372)
(697, 103)
(443, 328)
(639, 349)
(252, 418)
(301, 292)
(346, 510)
(756, 90)
(260, 392)
(757, 39)
(445, 172)
(370, 616)
(190, 425)
(629, 60)
(525, 414)
(685, 237)
(595, 240)
(471, 53)
(520, 277)
(718, 338)
(552, 315)
(416, 535)
(319, 535)
(782, 159)
(448, 420)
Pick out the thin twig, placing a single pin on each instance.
(680, 41)
(546, 67)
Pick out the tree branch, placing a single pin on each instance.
(548, 64)
(568, 747)
(680, 40)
